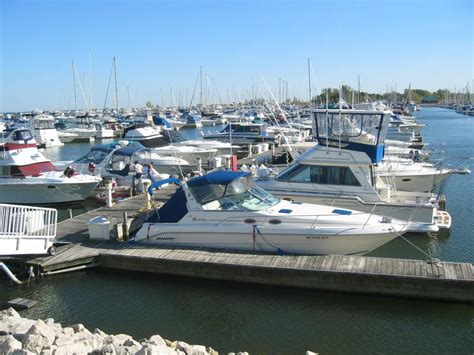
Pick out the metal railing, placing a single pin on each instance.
(25, 221)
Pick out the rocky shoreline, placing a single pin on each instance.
(22, 336)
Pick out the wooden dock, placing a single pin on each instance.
(75, 229)
(383, 276)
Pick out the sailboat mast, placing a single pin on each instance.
(74, 85)
(116, 88)
(309, 82)
(200, 74)
(90, 79)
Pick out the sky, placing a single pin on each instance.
(244, 47)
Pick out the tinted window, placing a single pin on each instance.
(327, 175)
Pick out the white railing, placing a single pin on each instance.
(26, 221)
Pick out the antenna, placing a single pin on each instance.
(200, 74)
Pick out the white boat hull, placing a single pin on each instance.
(316, 241)
(42, 191)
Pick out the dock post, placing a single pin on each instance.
(250, 151)
(125, 225)
(69, 211)
(108, 197)
(146, 185)
(199, 165)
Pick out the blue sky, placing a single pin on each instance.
(160, 45)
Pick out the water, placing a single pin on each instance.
(271, 320)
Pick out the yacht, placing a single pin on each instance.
(191, 120)
(28, 177)
(113, 162)
(225, 210)
(144, 134)
(244, 133)
(341, 170)
(44, 131)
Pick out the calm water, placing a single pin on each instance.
(270, 320)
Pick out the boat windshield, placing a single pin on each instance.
(239, 195)
(94, 156)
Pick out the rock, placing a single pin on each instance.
(158, 340)
(9, 312)
(33, 343)
(171, 344)
(67, 331)
(23, 352)
(242, 353)
(211, 351)
(123, 337)
(112, 339)
(311, 353)
(9, 345)
(49, 321)
(14, 325)
(44, 330)
(191, 349)
(151, 349)
(108, 349)
(78, 327)
(99, 332)
(72, 349)
(63, 340)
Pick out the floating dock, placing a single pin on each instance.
(448, 281)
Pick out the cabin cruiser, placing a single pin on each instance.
(191, 120)
(409, 175)
(68, 133)
(44, 131)
(244, 133)
(223, 148)
(225, 209)
(341, 170)
(144, 134)
(28, 177)
(112, 161)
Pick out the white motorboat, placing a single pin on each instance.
(144, 134)
(224, 209)
(408, 175)
(223, 148)
(346, 177)
(26, 230)
(113, 161)
(189, 153)
(28, 177)
(244, 133)
(44, 131)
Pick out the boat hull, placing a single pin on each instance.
(311, 241)
(20, 191)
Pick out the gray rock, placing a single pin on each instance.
(9, 345)
(23, 352)
(242, 353)
(72, 349)
(311, 353)
(33, 343)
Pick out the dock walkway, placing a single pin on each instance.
(386, 276)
